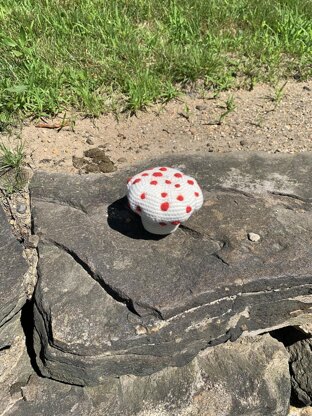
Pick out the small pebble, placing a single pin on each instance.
(140, 330)
(32, 241)
(45, 160)
(243, 142)
(89, 141)
(21, 208)
(253, 237)
(200, 107)
(16, 394)
(122, 160)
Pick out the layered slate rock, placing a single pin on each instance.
(15, 366)
(114, 300)
(301, 370)
(298, 342)
(13, 268)
(243, 378)
(42, 396)
(14, 361)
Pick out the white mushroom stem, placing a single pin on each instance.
(155, 228)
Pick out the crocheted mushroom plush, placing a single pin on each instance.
(164, 198)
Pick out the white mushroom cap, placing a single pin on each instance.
(164, 198)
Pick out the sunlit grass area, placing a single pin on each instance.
(96, 56)
(11, 163)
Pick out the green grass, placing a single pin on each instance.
(107, 55)
(229, 108)
(11, 158)
(11, 163)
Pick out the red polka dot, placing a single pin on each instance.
(164, 194)
(196, 193)
(153, 182)
(143, 196)
(144, 174)
(190, 182)
(175, 222)
(136, 181)
(178, 175)
(164, 206)
(138, 209)
(162, 224)
(177, 185)
(168, 182)
(157, 174)
(188, 209)
(163, 169)
(180, 198)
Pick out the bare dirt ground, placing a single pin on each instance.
(261, 121)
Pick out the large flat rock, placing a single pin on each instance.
(13, 268)
(112, 299)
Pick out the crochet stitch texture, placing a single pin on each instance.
(164, 197)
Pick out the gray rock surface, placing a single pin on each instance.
(113, 300)
(42, 396)
(246, 378)
(13, 268)
(15, 367)
(301, 370)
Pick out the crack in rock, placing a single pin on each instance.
(115, 294)
(288, 195)
(219, 257)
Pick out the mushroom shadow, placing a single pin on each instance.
(122, 219)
